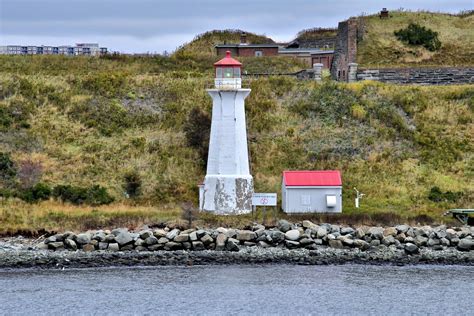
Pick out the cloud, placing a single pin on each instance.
(138, 25)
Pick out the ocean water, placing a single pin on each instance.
(240, 290)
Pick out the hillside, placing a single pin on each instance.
(316, 34)
(114, 123)
(203, 44)
(380, 48)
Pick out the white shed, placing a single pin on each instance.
(316, 191)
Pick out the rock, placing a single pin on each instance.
(151, 240)
(200, 233)
(181, 238)
(110, 238)
(388, 240)
(306, 241)
(444, 242)
(432, 242)
(334, 243)
(220, 241)
(42, 246)
(56, 245)
(144, 234)
(375, 232)
(420, 240)
(246, 235)
(347, 231)
(232, 244)
(139, 242)
(221, 230)
(198, 245)
(172, 234)
(50, 239)
(249, 244)
(82, 239)
(308, 224)
(293, 234)
(390, 231)
(127, 247)
(334, 229)
(88, 248)
(187, 245)
(402, 228)
(346, 240)
(411, 248)
(330, 237)
(375, 243)
(466, 244)
(361, 244)
(158, 233)
(193, 236)
(171, 245)
(290, 244)
(284, 225)
(318, 242)
(322, 232)
(103, 245)
(123, 238)
(263, 244)
(277, 236)
(70, 244)
(401, 237)
(117, 231)
(359, 233)
(113, 247)
(99, 236)
(155, 247)
(207, 240)
(141, 248)
(163, 240)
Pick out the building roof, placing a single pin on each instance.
(312, 178)
(304, 50)
(247, 45)
(228, 61)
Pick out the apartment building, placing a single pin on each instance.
(87, 49)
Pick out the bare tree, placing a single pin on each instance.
(29, 173)
(189, 213)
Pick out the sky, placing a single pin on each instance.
(155, 26)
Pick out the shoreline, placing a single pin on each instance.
(41, 259)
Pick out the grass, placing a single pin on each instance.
(380, 48)
(96, 124)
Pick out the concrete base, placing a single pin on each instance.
(227, 194)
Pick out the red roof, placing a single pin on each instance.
(228, 61)
(312, 178)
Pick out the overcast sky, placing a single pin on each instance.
(159, 25)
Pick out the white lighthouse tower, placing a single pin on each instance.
(228, 186)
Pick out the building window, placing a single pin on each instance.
(218, 72)
(331, 201)
(258, 53)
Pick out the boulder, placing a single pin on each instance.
(246, 235)
(232, 244)
(158, 233)
(263, 244)
(308, 224)
(163, 240)
(155, 247)
(50, 239)
(139, 242)
(388, 240)
(187, 245)
(322, 232)
(151, 240)
(277, 236)
(198, 245)
(181, 238)
(411, 248)
(56, 245)
(110, 238)
(172, 234)
(334, 243)
(99, 236)
(306, 241)
(433, 242)
(70, 244)
(290, 244)
(83, 239)
(292, 234)
(171, 245)
(220, 241)
(402, 228)
(141, 248)
(375, 232)
(466, 244)
(127, 247)
(221, 230)
(346, 240)
(390, 231)
(144, 234)
(250, 243)
(103, 245)
(347, 231)
(42, 246)
(334, 229)
(113, 247)
(361, 244)
(359, 233)
(88, 248)
(420, 240)
(193, 236)
(117, 231)
(207, 240)
(284, 225)
(123, 238)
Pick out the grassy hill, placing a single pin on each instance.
(380, 48)
(96, 121)
(316, 33)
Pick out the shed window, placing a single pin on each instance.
(258, 53)
(306, 200)
(331, 201)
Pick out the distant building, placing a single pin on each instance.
(310, 56)
(316, 191)
(88, 49)
(247, 50)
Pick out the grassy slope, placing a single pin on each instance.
(380, 48)
(96, 119)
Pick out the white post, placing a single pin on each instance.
(318, 70)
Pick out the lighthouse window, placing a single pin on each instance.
(236, 72)
(218, 72)
(228, 72)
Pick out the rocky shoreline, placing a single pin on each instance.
(299, 243)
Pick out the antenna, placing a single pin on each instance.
(358, 197)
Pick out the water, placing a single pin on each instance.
(213, 290)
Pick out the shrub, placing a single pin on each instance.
(436, 195)
(7, 167)
(415, 34)
(95, 195)
(39, 192)
(197, 129)
(132, 184)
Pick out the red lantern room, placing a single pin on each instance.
(228, 72)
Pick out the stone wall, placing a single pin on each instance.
(422, 76)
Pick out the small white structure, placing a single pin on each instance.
(317, 191)
(228, 185)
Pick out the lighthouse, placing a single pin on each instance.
(228, 185)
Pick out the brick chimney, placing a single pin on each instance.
(243, 38)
